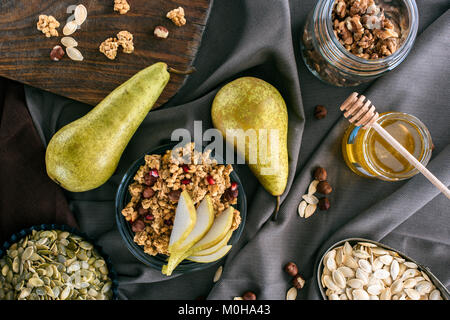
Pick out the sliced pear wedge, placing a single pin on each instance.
(184, 223)
(221, 226)
(215, 247)
(212, 257)
(219, 229)
(205, 219)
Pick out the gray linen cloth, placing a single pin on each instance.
(261, 38)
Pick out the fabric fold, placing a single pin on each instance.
(27, 195)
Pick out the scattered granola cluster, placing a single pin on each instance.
(110, 46)
(48, 25)
(177, 16)
(125, 40)
(121, 6)
(157, 187)
(363, 29)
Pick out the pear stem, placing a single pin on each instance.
(277, 208)
(185, 72)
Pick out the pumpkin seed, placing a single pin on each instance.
(80, 14)
(348, 250)
(70, 28)
(397, 286)
(381, 274)
(386, 259)
(410, 283)
(310, 199)
(374, 289)
(435, 295)
(310, 209)
(339, 279)
(365, 265)
(302, 208)
(27, 253)
(394, 269)
(413, 294)
(329, 283)
(360, 294)
(74, 54)
(291, 294)
(355, 283)
(218, 274)
(386, 294)
(423, 287)
(346, 272)
(313, 187)
(410, 265)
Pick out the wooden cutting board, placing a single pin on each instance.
(25, 51)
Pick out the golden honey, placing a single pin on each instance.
(369, 155)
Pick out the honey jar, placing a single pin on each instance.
(369, 155)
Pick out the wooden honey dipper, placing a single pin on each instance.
(363, 114)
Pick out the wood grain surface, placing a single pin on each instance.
(25, 51)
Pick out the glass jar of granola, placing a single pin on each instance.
(348, 42)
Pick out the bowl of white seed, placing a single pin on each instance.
(361, 269)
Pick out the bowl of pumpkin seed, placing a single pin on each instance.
(362, 269)
(55, 262)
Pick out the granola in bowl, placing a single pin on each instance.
(156, 188)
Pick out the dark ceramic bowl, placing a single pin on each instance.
(23, 233)
(352, 241)
(123, 197)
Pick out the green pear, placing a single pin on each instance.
(85, 153)
(250, 105)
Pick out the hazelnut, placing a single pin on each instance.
(320, 112)
(142, 211)
(138, 226)
(324, 204)
(148, 192)
(57, 53)
(320, 174)
(174, 195)
(230, 194)
(291, 269)
(324, 187)
(161, 32)
(150, 179)
(249, 296)
(298, 282)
